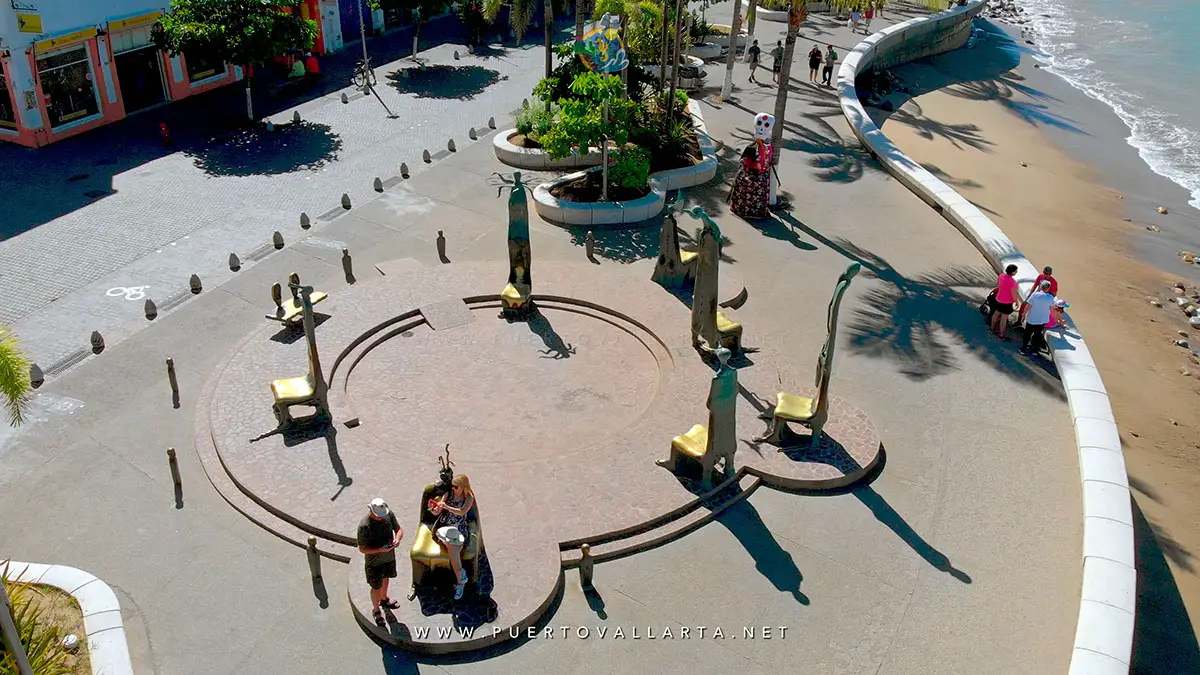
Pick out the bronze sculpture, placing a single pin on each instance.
(706, 445)
(310, 389)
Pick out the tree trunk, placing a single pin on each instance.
(675, 61)
(795, 16)
(662, 52)
(249, 94)
(549, 19)
(417, 35)
(752, 18)
(580, 9)
(734, 28)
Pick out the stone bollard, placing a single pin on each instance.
(491, 122)
(455, 54)
(296, 117)
(173, 381)
(36, 376)
(441, 247)
(346, 201)
(235, 263)
(305, 223)
(277, 240)
(97, 342)
(345, 98)
(403, 170)
(586, 566)
(378, 184)
(425, 157)
(524, 103)
(347, 265)
(173, 461)
(589, 245)
(194, 284)
(450, 145)
(151, 309)
(314, 559)
(472, 135)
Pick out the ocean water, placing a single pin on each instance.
(1142, 59)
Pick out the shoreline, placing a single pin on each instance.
(1042, 159)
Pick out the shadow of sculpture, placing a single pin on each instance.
(885, 514)
(556, 348)
(474, 609)
(596, 603)
(625, 245)
(320, 592)
(303, 146)
(771, 561)
(462, 83)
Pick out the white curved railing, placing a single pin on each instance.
(1104, 631)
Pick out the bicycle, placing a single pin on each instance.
(364, 74)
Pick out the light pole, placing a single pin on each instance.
(9, 630)
(362, 30)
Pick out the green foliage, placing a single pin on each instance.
(700, 28)
(520, 14)
(14, 377)
(580, 121)
(663, 136)
(243, 32)
(536, 120)
(629, 168)
(42, 642)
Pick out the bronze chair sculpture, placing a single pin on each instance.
(310, 389)
(710, 328)
(706, 445)
(517, 297)
(675, 268)
(426, 554)
(812, 412)
(288, 312)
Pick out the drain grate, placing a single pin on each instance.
(260, 252)
(62, 365)
(96, 194)
(440, 154)
(176, 299)
(331, 214)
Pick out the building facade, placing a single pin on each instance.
(69, 66)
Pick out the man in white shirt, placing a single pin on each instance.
(1037, 316)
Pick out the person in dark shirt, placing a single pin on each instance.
(378, 536)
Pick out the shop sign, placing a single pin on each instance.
(29, 23)
(66, 39)
(134, 21)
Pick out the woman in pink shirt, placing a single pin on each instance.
(1003, 301)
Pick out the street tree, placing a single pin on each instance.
(796, 15)
(731, 57)
(14, 378)
(422, 10)
(520, 14)
(242, 32)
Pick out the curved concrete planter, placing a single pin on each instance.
(553, 209)
(1104, 630)
(535, 158)
(687, 84)
(107, 648)
(722, 40)
(778, 16)
(706, 51)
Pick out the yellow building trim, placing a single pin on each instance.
(134, 21)
(65, 39)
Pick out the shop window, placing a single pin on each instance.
(202, 65)
(8, 112)
(68, 86)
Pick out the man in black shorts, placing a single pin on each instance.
(378, 536)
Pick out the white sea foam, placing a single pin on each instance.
(1165, 140)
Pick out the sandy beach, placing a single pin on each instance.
(992, 126)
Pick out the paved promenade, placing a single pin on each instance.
(960, 557)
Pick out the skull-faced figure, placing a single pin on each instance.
(764, 124)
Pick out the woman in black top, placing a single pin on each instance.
(814, 63)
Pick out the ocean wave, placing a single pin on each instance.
(1162, 138)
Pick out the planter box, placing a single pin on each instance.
(776, 15)
(706, 51)
(693, 64)
(722, 40)
(536, 158)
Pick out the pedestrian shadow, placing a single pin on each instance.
(302, 146)
(770, 559)
(885, 514)
(461, 83)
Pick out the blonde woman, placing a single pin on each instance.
(451, 527)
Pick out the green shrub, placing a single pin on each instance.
(536, 120)
(630, 168)
(42, 642)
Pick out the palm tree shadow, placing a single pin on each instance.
(885, 514)
(298, 146)
(1164, 638)
(462, 83)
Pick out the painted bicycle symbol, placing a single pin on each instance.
(130, 292)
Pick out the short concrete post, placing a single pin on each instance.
(524, 103)
(305, 223)
(194, 284)
(403, 170)
(174, 462)
(450, 146)
(235, 263)
(589, 245)
(345, 99)
(36, 376)
(378, 184)
(295, 117)
(346, 201)
(277, 240)
(441, 247)
(151, 309)
(425, 157)
(347, 265)
(173, 381)
(586, 566)
(97, 342)
(491, 122)
(314, 558)
(472, 135)
(455, 54)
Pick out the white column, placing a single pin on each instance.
(106, 67)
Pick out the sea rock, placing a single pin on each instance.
(1184, 371)
(1178, 291)
(1128, 220)
(1181, 301)
(1153, 228)
(1182, 333)
(1181, 343)
(1194, 321)
(1024, 164)
(1156, 303)
(1162, 210)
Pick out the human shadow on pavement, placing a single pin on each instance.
(885, 514)
(461, 83)
(920, 321)
(1164, 637)
(296, 146)
(770, 559)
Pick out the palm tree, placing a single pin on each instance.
(796, 14)
(727, 88)
(14, 377)
(580, 12)
(520, 14)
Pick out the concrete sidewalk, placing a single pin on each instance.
(973, 521)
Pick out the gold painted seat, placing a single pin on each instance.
(290, 391)
(427, 554)
(693, 444)
(729, 333)
(795, 408)
(687, 257)
(292, 310)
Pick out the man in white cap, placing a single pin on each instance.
(378, 536)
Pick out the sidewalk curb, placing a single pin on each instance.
(107, 648)
(1104, 630)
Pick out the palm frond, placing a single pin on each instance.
(14, 377)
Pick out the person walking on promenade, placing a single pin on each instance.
(814, 63)
(1041, 302)
(451, 528)
(776, 60)
(1003, 300)
(831, 58)
(1047, 275)
(378, 536)
(855, 19)
(752, 56)
(867, 16)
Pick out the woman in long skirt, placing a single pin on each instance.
(750, 196)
